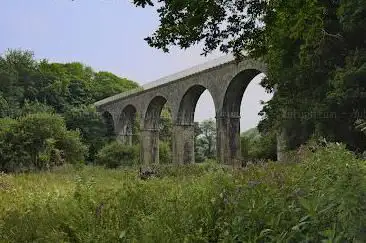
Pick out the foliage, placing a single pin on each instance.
(227, 25)
(205, 140)
(319, 200)
(92, 127)
(31, 107)
(255, 146)
(30, 86)
(166, 125)
(116, 154)
(39, 141)
(165, 155)
(314, 50)
(106, 84)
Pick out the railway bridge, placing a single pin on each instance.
(225, 78)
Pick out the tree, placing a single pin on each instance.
(58, 85)
(93, 129)
(29, 86)
(256, 146)
(106, 84)
(31, 107)
(227, 25)
(315, 52)
(166, 126)
(18, 71)
(205, 140)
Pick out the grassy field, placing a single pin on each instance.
(323, 198)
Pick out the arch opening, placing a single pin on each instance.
(196, 123)
(156, 134)
(188, 104)
(152, 116)
(235, 91)
(127, 125)
(109, 124)
(240, 115)
(253, 100)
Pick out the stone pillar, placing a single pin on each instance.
(183, 144)
(228, 140)
(149, 146)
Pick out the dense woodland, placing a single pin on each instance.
(316, 56)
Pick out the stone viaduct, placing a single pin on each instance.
(225, 79)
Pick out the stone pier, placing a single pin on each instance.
(183, 144)
(149, 146)
(228, 140)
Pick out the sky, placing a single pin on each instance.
(108, 35)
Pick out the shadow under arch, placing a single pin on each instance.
(109, 124)
(127, 122)
(153, 112)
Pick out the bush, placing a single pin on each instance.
(116, 154)
(92, 128)
(255, 146)
(38, 141)
(165, 154)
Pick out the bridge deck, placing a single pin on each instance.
(171, 78)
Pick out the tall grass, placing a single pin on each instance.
(321, 199)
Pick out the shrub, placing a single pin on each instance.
(255, 146)
(39, 141)
(91, 126)
(116, 154)
(165, 155)
(12, 155)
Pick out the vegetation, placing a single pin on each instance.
(38, 141)
(315, 51)
(205, 140)
(316, 56)
(62, 94)
(165, 154)
(318, 200)
(115, 154)
(45, 111)
(256, 146)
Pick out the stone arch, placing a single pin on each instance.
(235, 91)
(127, 120)
(188, 104)
(183, 130)
(153, 112)
(109, 122)
(150, 131)
(228, 120)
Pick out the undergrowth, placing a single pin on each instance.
(321, 199)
